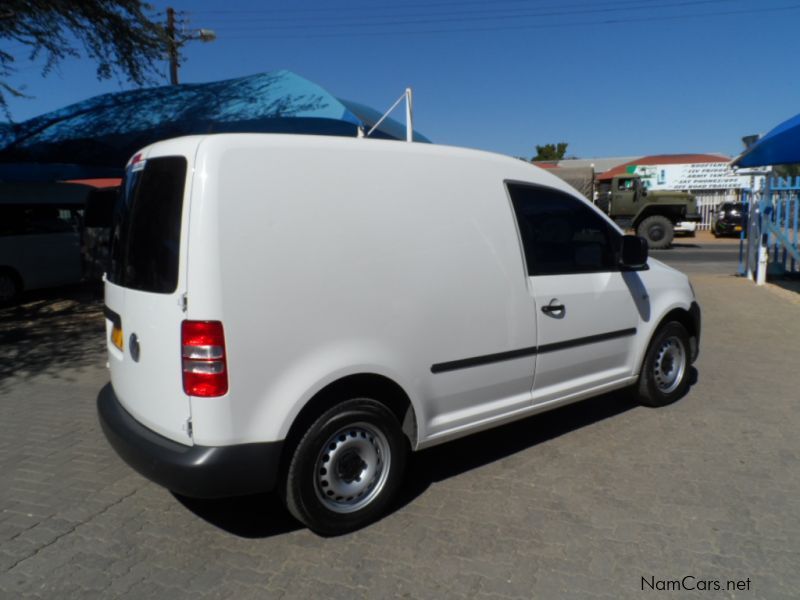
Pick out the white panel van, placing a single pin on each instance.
(300, 312)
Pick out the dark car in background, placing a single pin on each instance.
(728, 219)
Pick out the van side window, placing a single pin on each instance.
(560, 234)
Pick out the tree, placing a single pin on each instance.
(551, 151)
(786, 170)
(116, 34)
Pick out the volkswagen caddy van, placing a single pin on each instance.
(299, 313)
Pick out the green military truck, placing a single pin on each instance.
(652, 214)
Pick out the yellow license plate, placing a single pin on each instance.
(116, 336)
(737, 228)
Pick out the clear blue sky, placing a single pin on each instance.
(610, 77)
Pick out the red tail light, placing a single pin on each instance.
(205, 371)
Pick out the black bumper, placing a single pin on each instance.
(696, 217)
(195, 471)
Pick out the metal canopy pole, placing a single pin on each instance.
(407, 96)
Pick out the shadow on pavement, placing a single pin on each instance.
(256, 516)
(454, 458)
(264, 515)
(55, 330)
(790, 283)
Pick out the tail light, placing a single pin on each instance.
(205, 370)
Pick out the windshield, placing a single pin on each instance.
(145, 236)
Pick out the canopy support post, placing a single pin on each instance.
(407, 96)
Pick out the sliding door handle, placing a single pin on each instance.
(554, 309)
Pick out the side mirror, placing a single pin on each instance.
(633, 254)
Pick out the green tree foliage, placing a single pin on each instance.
(786, 170)
(551, 151)
(117, 35)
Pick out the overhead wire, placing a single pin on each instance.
(531, 26)
(485, 15)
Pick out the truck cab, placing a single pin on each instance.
(653, 214)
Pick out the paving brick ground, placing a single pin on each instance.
(581, 502)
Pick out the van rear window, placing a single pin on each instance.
(146, 232)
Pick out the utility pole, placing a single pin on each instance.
(174, 42)
(173, 47)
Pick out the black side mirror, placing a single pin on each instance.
(633, 254)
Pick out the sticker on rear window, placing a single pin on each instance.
(138, 166)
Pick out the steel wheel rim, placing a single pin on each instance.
(670, 365)
(352, 468)
(656, 233)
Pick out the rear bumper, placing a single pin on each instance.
(195, 471)
(692, 217)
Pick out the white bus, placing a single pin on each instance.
(40, 236)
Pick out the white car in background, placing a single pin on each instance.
(686, 228)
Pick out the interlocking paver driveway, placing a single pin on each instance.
(581, 502)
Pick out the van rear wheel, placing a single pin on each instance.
(347, 467)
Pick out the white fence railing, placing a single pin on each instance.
(709, 200)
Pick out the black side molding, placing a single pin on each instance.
(475, 361)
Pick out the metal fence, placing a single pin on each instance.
(709, 200)
(770, 244)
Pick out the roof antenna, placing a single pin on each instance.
(407, 95)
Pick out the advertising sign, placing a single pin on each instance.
(690, 176)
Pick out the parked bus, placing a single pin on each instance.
(40, 236)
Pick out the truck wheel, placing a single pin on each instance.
(665, 371)
(346, 468)
(657, 230)
(9, 287)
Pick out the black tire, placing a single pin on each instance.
(669, 348)
(10, 287)
(657, 230)
(359, 438)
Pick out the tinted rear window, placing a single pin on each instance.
(146, 233)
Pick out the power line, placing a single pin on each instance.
(539, 26)
(378, 8)
(466, 19)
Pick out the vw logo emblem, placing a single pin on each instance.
(133, 345)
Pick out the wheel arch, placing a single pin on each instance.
(371, 385)
(672, 212)
(689, 318)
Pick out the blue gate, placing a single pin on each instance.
(770, 243)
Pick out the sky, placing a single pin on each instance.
(609, 77)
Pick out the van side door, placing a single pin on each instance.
(586, 314)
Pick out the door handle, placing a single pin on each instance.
(554, 309)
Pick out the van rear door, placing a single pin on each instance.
(144, 294)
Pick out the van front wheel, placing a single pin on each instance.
(346, 468)
(665, 372)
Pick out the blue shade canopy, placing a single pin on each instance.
(106, 130)
(781, 146)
